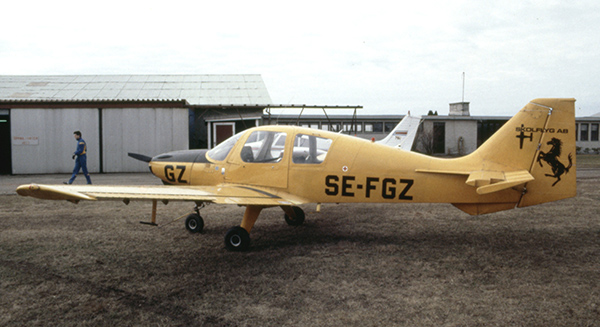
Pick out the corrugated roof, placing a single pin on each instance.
(196, 89)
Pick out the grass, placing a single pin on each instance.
(93, 264)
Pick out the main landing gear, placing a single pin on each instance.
(238, 238)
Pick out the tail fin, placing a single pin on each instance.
(540, 139)
(403, 135)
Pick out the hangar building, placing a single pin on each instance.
(117, 114)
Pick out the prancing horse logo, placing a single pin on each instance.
(551, 157)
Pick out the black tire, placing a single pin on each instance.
(298, 220)
(194, 223)
(237, 239)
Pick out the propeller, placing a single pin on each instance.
(140, 157)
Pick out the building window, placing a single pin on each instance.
(583, 136)
(487, 128)
(352, 127)
(377, 127)
(594, 134)
(390, 126)
(368, 128)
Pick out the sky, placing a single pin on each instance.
(388, 58)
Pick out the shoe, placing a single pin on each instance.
(66, 183)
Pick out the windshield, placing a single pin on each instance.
(220, 152)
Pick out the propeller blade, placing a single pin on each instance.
(140, 157)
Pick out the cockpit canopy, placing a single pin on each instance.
(269, 146)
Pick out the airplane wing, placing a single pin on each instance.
(221, 194)
(487, 181)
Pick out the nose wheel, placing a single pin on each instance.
(194, 223)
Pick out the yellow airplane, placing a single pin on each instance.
(529, 161)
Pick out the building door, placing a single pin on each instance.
(439, 137)
(223, 131)
(5, 143)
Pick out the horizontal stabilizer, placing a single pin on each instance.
(487, 181)
(444, 172)
(510, 179)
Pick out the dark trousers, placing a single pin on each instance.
(80, 164)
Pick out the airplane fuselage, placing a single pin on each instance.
(354, 170)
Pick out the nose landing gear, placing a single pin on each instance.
(194, 222)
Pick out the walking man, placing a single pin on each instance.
(80, 158)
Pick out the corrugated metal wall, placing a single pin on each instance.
(145, 131)
(49, 134)
(43, 142)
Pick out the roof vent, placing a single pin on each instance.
(459, 109)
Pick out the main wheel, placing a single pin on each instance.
(237, 239)
(194, 223)
(295, 221)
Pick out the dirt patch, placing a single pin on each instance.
(363, 265)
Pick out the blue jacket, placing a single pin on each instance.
(81, 148)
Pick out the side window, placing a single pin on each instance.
(264, 146)
(310, 149)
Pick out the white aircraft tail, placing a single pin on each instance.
(403, 135)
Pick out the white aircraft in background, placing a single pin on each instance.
(403, 135)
